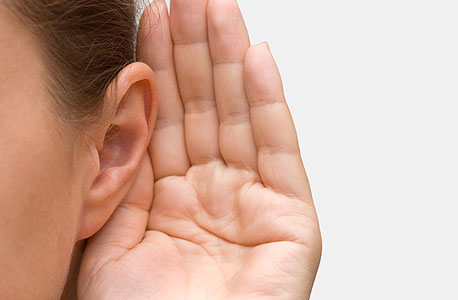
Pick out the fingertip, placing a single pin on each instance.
(262, 79)
(144, 26)
(154, 41)
(258, 56)
(152, 13)
(257, 59)
(227, 32)
(188, 20)
(220, 12)
(161, 6)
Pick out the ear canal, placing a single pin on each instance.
(111, 154)
(112, 131)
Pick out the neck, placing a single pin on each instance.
(69, 292)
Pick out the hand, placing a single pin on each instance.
(232, 215)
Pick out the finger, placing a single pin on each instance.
(126, 227)
(279, 160)
(229, 42)
(168, 148)
(195, 78)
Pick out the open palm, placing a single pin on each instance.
(231, 216)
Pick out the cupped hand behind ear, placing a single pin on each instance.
(231, 214)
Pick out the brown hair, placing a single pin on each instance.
(85, 43)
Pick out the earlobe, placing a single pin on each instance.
(122, 144)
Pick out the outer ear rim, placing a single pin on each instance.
(120, 86)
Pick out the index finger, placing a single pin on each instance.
(155, 48)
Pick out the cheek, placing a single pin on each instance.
(38, 214)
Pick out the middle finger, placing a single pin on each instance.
(229, 41)
(195, 78)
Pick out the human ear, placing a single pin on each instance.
(121, 144)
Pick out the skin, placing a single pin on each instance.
(229, 214)
(25, 222)
(218, 208)
(58, 186)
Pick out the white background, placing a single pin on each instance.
(373, 87)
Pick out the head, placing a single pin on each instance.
(76, 116)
